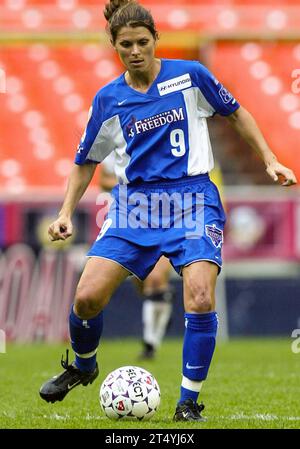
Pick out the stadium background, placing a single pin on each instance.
(54, 56)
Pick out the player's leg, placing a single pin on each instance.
(199, 280)
(194, 248)
(157, 307)
(148, 322)
(98, 282)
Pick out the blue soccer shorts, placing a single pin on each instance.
(180, 219)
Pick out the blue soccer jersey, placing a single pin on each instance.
(161, 134)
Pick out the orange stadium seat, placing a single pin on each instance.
(50, 87)
(256, 77)
(70, 3)
(49, 92)
(223, 16)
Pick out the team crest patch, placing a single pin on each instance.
(215, 234)
(225, 95)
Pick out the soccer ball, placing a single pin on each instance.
(129, 392)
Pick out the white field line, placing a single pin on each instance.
(235, 417)
(260, 417)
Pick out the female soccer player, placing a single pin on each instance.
(154, 118)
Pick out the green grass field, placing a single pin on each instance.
(252, 384)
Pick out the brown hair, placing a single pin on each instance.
(122, 13)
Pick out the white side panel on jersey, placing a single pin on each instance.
(109, 163)
(110, 137)
(200, 153)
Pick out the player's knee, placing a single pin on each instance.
(156, 281)
(86, 304)
(200, 298)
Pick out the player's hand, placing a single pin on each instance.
(278, 171)
(60, 229)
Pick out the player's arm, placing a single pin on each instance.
(107, 180)
(79, 179)
(243, 122)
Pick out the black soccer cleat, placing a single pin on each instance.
(59, 386)
(148, 352)
(189, 411)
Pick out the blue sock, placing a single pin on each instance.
(198, 348)
(85, 336)
(188, 394)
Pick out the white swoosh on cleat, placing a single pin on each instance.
(73, 385)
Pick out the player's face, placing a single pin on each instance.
(136, 48)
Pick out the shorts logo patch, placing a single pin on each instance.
(215, 234)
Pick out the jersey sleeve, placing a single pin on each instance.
(89, 139)
(218, 97)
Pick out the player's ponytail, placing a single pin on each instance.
(122, 13)
(111, 7)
